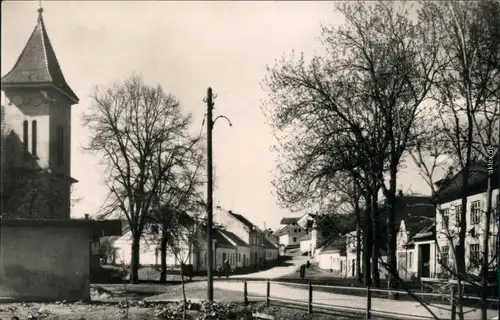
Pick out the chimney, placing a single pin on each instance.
(86, 216)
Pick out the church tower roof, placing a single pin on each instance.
(37, 66)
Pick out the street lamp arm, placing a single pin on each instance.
(229, 121)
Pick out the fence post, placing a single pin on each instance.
(453, 308)
(310, 306)
(245, 292)
(268, 292)
(368, 302)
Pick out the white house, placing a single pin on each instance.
(306, 244)
(332, 256)
(244, 230)
(448, 218)
(290, 232)
(242, 248)
(149, 248)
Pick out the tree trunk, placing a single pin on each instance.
(358, 242)
(375, 240)
(134, 261)
(367, 236)
(486, 258)
(391, 232)
(184, 300)
(163, 258)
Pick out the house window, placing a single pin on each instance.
(445, 213)
(33, 137)
(445, 256)
(474, 255)
(25, 135)
(60, 144)
(458, 214)
(294, 239)
(224, 257)
(410, 260)
(475, 212)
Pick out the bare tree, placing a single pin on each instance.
(464, 98)
(141, 135)
(178, 198)
(183, 244)
(365, 94)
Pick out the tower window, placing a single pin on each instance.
(25, 135)
(33, 137)
(60, 144)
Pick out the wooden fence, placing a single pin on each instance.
(310, 305)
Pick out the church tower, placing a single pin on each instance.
(36, 133)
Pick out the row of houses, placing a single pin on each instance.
(236, 240)
(426, 231)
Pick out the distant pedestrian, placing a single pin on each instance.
(227, 268)
(308, 264)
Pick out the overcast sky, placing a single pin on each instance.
(185, 47)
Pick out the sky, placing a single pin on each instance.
(185, 47)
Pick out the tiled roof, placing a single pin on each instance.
(220, 240)
(38, 65)
(242, 219)
(234, 238)
(286, 221)
(268, 244)
(334, 243)
(282, 231)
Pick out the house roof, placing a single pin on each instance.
(220, 239)
(306, 237)
(268, 244)
(37, 64)
(333, 243)
(291, 220)
(450, 188)
(242, 219)
(412, 209)
(426, 233)
(234, 238)
(283, 230)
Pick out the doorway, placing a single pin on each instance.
(424, 261)
(353, 272)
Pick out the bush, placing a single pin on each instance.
(108, 275)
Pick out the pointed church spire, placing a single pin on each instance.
(37, 66)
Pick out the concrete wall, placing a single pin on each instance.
(44, 263)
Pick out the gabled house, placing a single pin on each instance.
(332, 255)
(449, 211)
(245, 230)
(289, 235)
(242, 249)
(415, 214)
(223, 249)
(271, 250)
(420, 255)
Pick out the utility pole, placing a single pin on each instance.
(210, 214)
(210, 254)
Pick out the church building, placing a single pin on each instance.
(36, 133)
